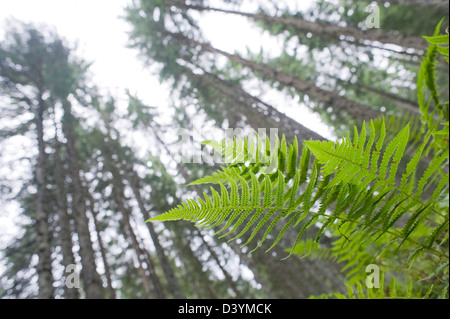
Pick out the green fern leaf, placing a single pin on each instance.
(439, 39)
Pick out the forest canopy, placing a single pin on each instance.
(230, 190)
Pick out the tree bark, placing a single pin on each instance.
(133, 180)
(110, 289)
(65, 233)
(400, 102)
(174, 286)
(420, 3)
(118, 193)
(340, 103)
(228, 279)
(157, 286)
(43, 237)
(325, 29)
(91, 278)
(252, 263)
(254, 108)
(135, 245)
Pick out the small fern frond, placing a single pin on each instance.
(395, 290)
(426, 79)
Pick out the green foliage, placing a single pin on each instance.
(427, 90)
(365, 192)
(366, 178)
(366, 202)
(393, 291)
(402, 18)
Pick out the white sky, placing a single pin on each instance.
(100, 35)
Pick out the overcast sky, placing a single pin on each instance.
(101, 36)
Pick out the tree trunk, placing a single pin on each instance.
(421, 3)
(135, 245)
(110, 289)
(65, 233)
(325, 29)
(157, 286)
(340, 103)
(174, 286)
(254, 108)
(253, 265)
(89, 274)
(228, 279)
(43, 237)
(118, 193)
(400, 102)
(299, 287)
(194, 266)
(133, 180)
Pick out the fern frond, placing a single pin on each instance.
(352, 182)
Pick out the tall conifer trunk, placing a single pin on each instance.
(325, 29)
(65, 233)
(340, 103)
(89, 274)
(420, 3)
(257, 112)
(43, 236)
(103, 251)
